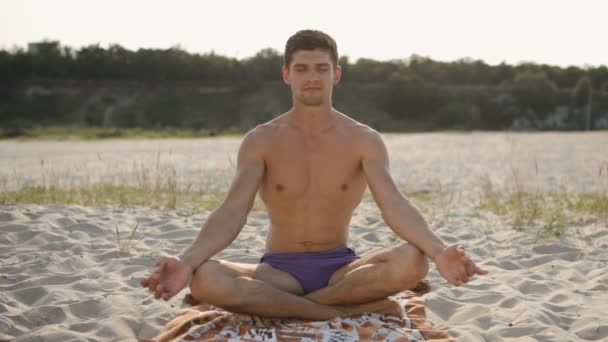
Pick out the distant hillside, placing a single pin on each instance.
(151, 88)
(220, 106)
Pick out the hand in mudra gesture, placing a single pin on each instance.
(455, 266)
(170, 276)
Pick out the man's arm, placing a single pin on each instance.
(226, 221)
(397, 211)
(405, 220)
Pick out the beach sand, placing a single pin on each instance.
(63, 278)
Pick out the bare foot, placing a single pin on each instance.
(384, 306)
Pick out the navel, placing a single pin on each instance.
(279, 187)
(344, 187)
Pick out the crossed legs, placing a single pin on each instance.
(359, 286)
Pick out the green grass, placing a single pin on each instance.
(97, 133)
(553, 211)
(119, 195)
(110, 194)
(423, 196)
(145, 185)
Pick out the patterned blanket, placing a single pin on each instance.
(208, 323)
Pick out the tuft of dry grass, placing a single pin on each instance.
(140, 185)
(118, 195)
(550, 212)
(124, 246)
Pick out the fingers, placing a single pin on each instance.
(463, 276)
(457, 277)
(161, 263)
(156, 287)
(159, 291)
(164, 292)
(156, 275)
(460, 250)
(473, 269)
(146, 281)
(151, 282)
(470, 268)
(481, 271)
(458, 268)
(157, 282)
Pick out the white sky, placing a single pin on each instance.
(553, 32)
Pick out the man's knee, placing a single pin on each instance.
(409, 265)
(206, 283)
(214, 284)
(200, 278)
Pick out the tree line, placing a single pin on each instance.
(414, 93)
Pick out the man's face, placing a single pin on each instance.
(311, 76)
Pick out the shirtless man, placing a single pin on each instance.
(311, 166)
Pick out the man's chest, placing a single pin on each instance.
(325, 168)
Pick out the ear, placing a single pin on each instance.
(285, 73)
(337, 74)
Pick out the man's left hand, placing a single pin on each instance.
(456, 267)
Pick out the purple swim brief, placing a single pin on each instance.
(311, 269)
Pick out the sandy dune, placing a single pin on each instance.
(62, 277)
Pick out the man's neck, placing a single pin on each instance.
(312, 120)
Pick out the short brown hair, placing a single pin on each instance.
(310, 40)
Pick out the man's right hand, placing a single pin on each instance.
(170, 276)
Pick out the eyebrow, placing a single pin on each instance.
(305, 65)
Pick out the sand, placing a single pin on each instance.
(63, 278)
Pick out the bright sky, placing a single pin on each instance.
(542, 31)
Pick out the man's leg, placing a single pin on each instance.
(265, 291)
(376, 275)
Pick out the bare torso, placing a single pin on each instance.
(311, 185)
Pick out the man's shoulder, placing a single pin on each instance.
(359, 132)
(260, 137)
(267, 128)
(356, 131)
(263, 131)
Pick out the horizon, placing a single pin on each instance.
(543, 32)
(350, 59)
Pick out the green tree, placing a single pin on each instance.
(458, 115)
(410, 97)
(535, 93)
(582, 94)
(264, 66)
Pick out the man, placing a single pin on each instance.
(311, 166)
